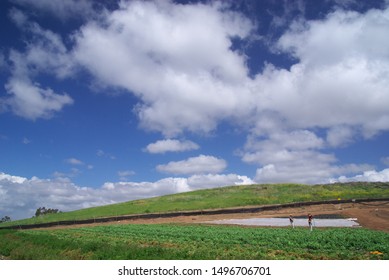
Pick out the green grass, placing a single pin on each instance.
(205, 242)
(233, 196)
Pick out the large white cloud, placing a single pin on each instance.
(339, 84)
(20, 197)
(176, 58)
(342, 75)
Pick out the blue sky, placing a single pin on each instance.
(109, 101)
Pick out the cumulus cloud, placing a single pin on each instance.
(20, 197)
(30, 101)
(342, 73)
(47, 53)
(194, 165)
(294, 156)
(367, 176)
(285, 148)
(306, 171)
(339, 84)
(11, 178)
(45, 50)
(171, 145)
(162, 52)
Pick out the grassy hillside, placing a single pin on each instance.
(225, 197)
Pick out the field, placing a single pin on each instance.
(225, 197)
(171, 241)
(186, 237)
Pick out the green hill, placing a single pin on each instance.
(224, 197)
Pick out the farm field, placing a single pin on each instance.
(220, 198)
(206, 242)
(188, 238)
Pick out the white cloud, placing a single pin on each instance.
(176, 58)
(171, 145)
(12, 179)
(217, 180)
(20, 197)
(339, 84)
(294, 157)
(194, 165)
(284, 147)
(46, 53)
(30, 101)
(367, 176)
(341, 77)
(306, 171)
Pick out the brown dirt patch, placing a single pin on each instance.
(372, 215)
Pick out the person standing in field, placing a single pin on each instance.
(310, 219)
(291, 220)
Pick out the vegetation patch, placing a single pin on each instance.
(206, 242)
(225, 197)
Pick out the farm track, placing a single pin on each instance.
(371, 213)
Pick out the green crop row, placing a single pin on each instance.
(194, 242)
